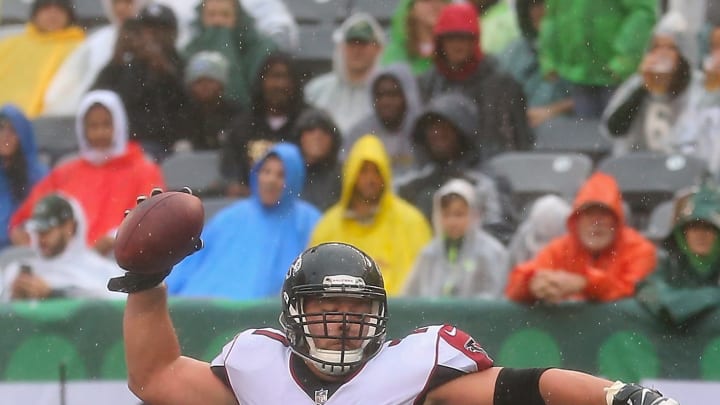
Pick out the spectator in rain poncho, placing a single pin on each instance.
(644, 112)
(462, 260)
(250, 244)
(77, 74)
(20, 166)
(107, 176)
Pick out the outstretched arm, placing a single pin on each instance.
(157, 373)
(554, 387)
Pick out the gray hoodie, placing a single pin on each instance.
(397, 143)
(481, 267)
(346, 102)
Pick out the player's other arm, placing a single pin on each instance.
(554, 387)
(157, 373)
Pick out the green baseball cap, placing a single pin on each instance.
(50, 212)
(360, 31)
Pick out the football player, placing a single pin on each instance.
(332, 349)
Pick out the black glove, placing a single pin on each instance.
(633, 394)
(133, 282)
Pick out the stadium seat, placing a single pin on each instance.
(198, 170)
(55, 137)
(568, 134)
(646, 179)
(213, 205)
(660, 222)
(318, 11)
(14, 11)
(533, 174)
(381, 10)
(90, 13)
(11, 29)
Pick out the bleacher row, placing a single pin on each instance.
(566, 152)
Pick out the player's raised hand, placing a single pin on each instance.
(156, 235)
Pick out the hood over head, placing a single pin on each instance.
(460, 111)
(341, 32)
(674, 25)
(408, 83)
(464, 189)
(600, 189)
(368, 148)
(78, 241)
(112, 102)
(458, 18)
(703, 205)
(546, 221)
(294, 169)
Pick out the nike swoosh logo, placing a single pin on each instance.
(452, 331)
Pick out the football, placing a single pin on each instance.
(159, 232)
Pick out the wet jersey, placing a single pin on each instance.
(260, 368)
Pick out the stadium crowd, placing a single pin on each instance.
(390, 142)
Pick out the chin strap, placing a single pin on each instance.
(632, 394)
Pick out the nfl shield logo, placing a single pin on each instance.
(321, 396)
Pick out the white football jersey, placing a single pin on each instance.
(260, 368)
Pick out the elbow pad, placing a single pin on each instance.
(632, 394)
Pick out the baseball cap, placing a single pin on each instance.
(50, 212)
(207, 64)
(360, 31)
(158, 14)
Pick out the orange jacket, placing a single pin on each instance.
(613, 273)
(103, 191)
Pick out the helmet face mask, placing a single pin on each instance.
(335, 342)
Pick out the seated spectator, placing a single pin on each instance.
(697, 128)
(80, 69)
(460, 66)
(209, 112)
(545, 222)
(271, 17)
(343, 92)
(545, 98)
(319, 141)
(600, 258)
(223, 26)
(411, 34)
(147, 72)
(104, 179)
(442, 135)
(687, 279)
(250, 245)
(370, 216)
(277, 102)
(20, 167)
(395, 105)
(499, 24)
(29, 60)
(63, 266)
(594, 58)
(644, 112)
(462, 260)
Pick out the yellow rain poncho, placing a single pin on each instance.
(398, 230)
